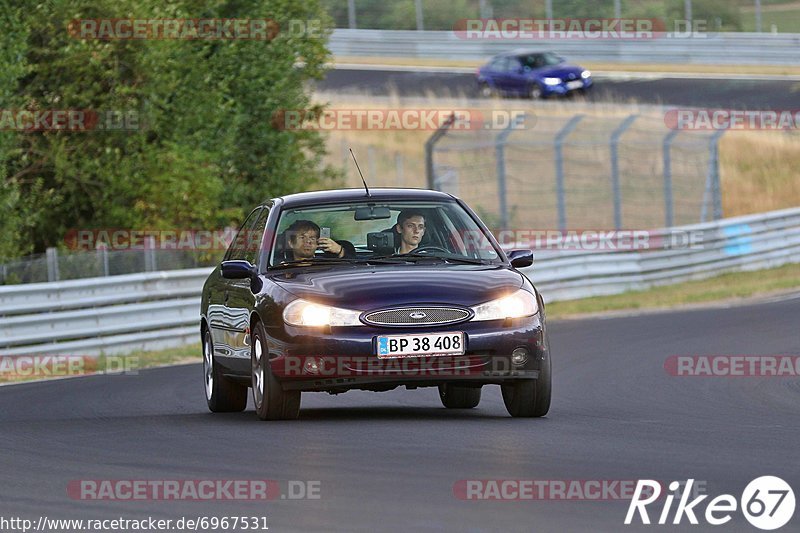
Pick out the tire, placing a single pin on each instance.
(457, 397)
(530, 398)
(222, 394)
(535, 92)
(271, 401)
(485, 90)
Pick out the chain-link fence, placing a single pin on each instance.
(579, 171)
(59, 265)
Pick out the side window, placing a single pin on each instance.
(256, 237)
(514, 65)
(239, 247)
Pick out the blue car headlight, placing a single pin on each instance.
(552, 81)
(586, 74)
(516, 305)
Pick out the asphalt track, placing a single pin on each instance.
(674, 91)
(389, 461)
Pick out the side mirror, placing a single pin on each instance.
(237, 269)
(521, 258)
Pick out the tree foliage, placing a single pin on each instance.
(203, 148)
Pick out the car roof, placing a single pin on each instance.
(355, 194)
(522, 52)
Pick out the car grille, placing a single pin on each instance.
(423, 316)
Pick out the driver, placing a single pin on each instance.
(411, 228)
(302, 240)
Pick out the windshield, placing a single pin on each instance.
(393, 231)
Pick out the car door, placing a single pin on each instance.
(219, 320)
(239, 297)
(517, 81)
(500, 74)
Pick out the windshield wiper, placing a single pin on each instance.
(464, 260)
(314, 261)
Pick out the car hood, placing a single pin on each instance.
(365, 288)
(562, 71)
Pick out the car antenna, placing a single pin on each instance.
(359, 172)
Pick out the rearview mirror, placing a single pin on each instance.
(372, 213)
(237, 269)
(521, 258)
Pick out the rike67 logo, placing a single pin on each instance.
(767, 502)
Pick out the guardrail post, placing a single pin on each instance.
(615, 188)
(52, 264)
(668, 213)
(430, 145)
(559, 153)
(500, 161)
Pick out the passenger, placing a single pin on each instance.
(302, 240)
(411, 228)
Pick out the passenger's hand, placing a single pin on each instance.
(330, 246)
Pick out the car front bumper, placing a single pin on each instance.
(345, 358)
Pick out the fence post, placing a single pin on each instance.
(371, 163)
(398, 162)
(715, 184)
(102, 253)
(559, 152)
(500, 161)
(711, 192)
(430, 144)
(668, 214)
(52, 264)
(615, 188)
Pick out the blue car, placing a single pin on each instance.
(337, 290)
(531, 74)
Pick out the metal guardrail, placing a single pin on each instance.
(718, 48)
(119, 314)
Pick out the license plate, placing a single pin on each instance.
(577, 84)
(391, 346)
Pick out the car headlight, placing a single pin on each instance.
(516, 305)
(586, 74)
(552, 81)
(304, 313)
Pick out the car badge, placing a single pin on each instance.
(417, 315)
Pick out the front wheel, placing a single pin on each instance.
(222, 394)
(486, 90)
(530, 398)
(535, 92)
(458, 397)
(272, 402)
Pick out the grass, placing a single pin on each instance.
(128, 363)
(726, 287)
